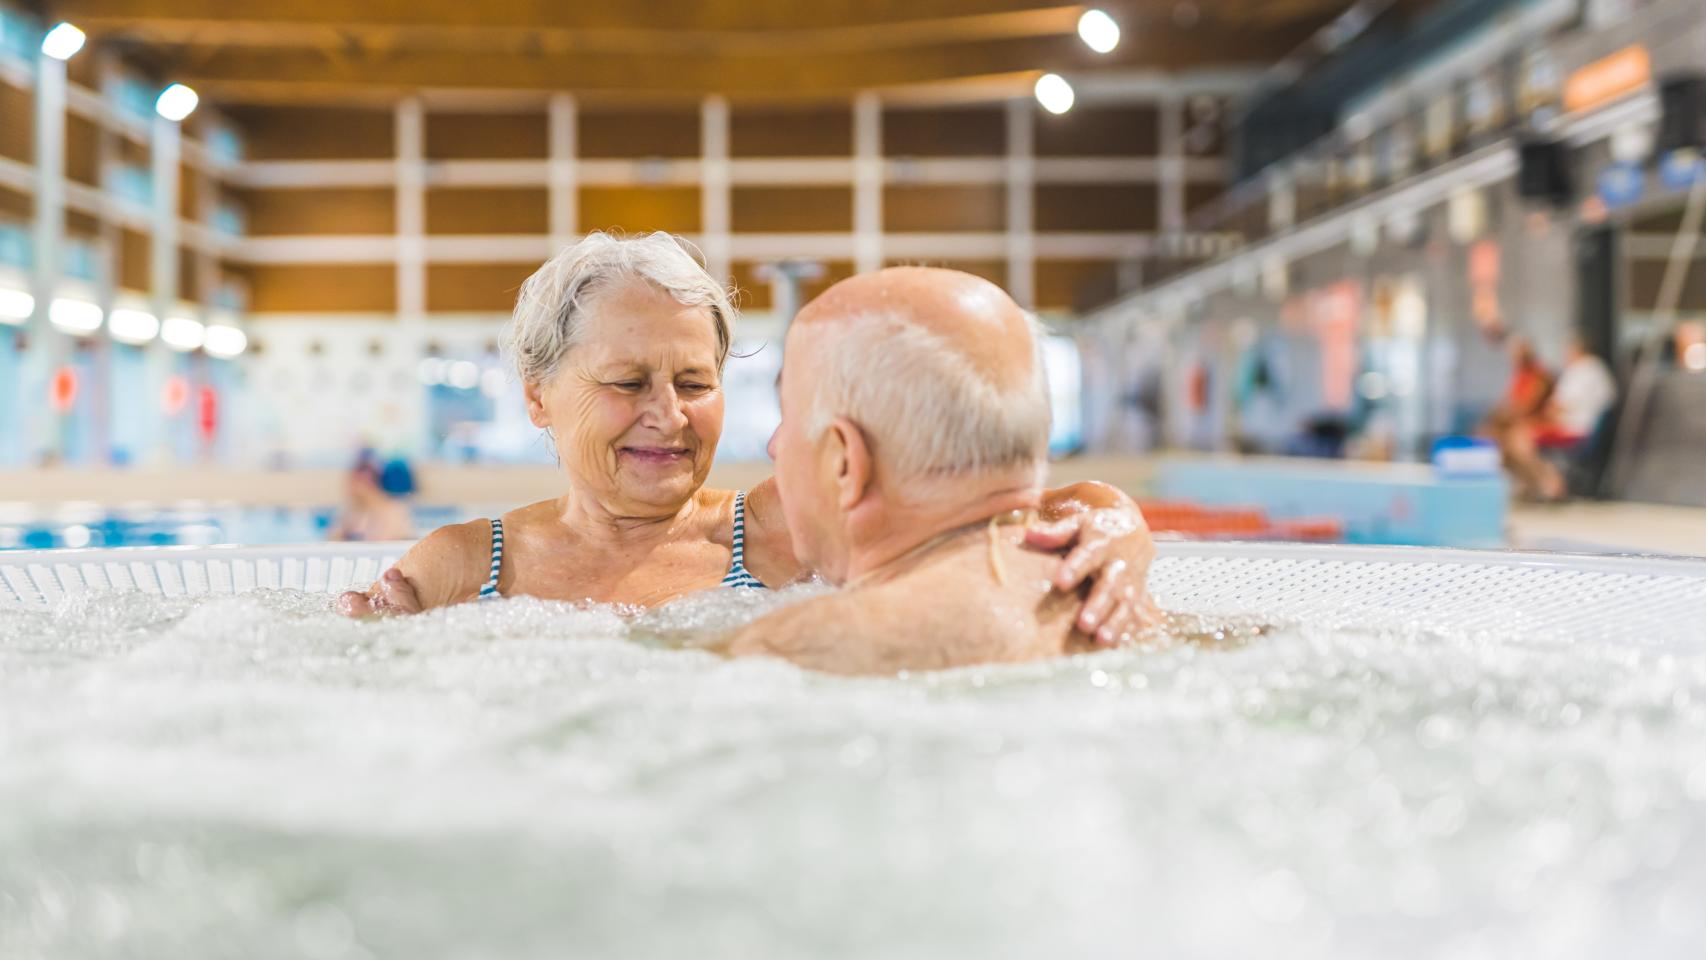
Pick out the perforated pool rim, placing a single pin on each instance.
(1628, 599)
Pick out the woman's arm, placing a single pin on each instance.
(1110, 547)
(448, 566)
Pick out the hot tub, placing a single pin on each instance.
(1386, 752)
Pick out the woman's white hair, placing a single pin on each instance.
(554, 301)
(925, 409)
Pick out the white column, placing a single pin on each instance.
(48, 347)
(1172, 164)
(564, 183)
(411, 210)
(867, 182)
(714, 198)
(1021, 218)
(165, 156)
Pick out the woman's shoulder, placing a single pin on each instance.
(769, 546)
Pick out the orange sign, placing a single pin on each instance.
(1608, 78)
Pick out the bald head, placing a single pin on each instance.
(940, 369)
(974, 317)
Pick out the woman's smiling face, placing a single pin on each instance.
(637, 404)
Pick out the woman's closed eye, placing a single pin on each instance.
(693, 387)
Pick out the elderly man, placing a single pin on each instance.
(912, 449)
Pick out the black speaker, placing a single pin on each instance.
(1544, 171)
(1682, 118)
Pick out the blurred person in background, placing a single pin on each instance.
(1584, 393)
(378, 501)
(620, 345)
(1512, 422)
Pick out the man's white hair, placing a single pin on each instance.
(553, 302)
(924, 407)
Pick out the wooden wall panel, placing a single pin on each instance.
(17, 124)
(323, 288)
(754, 294)
(791, 210)
(945, 132)
(326, 211)
(1073, 284)
(818, 132)
(1097, 207)
(80, 224)
(640, 209)
(639, 133)
(475, 287)
(504, 136)
(82, 162)
(189, 276)
(15, 205)
(1100, 131)
(944, 208)
(995, 271)
(1201, 195)
(134, 257)
(316, 133)
(189, 192)
(488, 210)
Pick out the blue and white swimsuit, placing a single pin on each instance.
(738, 575)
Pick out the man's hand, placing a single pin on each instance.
(1111, 546)
(392, 594)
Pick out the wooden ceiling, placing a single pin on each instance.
(339, 51)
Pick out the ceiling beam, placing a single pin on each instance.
(659, 16)
(236, 75)
(1047, 21)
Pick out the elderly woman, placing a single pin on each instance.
(620, 345)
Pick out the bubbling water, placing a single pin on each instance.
(254, 776)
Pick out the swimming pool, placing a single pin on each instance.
(1430, 753)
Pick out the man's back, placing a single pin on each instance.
(975, 598)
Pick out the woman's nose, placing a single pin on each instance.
(665, 409)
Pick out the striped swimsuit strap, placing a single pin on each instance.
(489, 591)
(738, 575)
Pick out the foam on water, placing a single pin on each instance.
(253, 776)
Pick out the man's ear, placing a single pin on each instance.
(850, 462)
(535, 405)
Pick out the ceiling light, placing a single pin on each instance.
(16, 306)
(225, 341)
(63, 42)
(1098, 31)
(132, 326)
(78, 317)
(176, 102)
(183, 334)
(1054, 93)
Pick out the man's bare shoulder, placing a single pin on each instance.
(827, 633)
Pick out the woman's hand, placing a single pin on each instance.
(1109, 545)
(391, 594)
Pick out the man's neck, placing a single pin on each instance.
(907, 527)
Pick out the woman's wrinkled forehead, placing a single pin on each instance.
(639, 321)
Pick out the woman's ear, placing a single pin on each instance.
(850, 462)
(535, 405)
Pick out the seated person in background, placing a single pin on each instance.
(1585, 391)
(378, 508)
(911, 454)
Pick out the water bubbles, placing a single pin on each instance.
(323, 931)
(1278, 897)
(256, 770)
